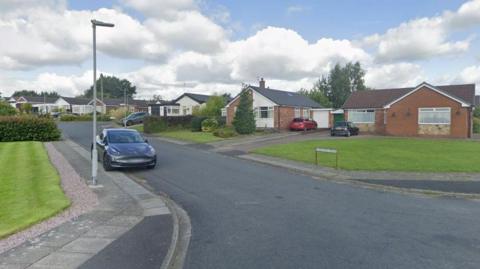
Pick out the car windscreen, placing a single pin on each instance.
(116, 137)
(298, 120)
(340, 124)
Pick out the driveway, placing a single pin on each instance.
(248, 215)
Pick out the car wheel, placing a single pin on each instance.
(107, 166)
(332, 134)
(151, 166)
(128, 123)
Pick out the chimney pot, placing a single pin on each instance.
(262, 83)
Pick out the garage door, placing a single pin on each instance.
(321, 117)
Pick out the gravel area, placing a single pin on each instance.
(82, 198)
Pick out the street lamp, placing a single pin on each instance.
(95, 23)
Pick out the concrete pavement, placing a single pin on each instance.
(249, 215)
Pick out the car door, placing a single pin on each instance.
(101, 143)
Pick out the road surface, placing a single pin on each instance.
(248, 215)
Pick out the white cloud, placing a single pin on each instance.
(424, 38)
(296, 9)
(470, 74)
(394, 76)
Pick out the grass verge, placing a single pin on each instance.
(187, 135)
(385, 154)
(30, 188)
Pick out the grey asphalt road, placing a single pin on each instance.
(248, 215)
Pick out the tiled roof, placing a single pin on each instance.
(382, 97)
(286, 98)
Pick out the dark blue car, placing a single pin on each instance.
(124, 148)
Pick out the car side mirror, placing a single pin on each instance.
(146, 140)
(99, 141)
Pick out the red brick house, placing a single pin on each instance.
(276, 108)
(425, 110)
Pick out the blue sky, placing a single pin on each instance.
(217, 44)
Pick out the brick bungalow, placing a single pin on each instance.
(276, 108)
(425, 110)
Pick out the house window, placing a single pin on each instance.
(434, 115)
(297, 112)
(224, 112)
(264, 112)
(361, 116)
(306, 113)
(175, 110)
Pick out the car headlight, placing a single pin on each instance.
(151, 151)
(113, 151)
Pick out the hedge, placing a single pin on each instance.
(154, 125)
(196, 125)
(84, 117)
(209, 125)
(225, 132)
(28, 128)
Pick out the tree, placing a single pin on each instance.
(244, 120)
(339, 84)
(156, 98)
(113, 87)
(26, 108)
(318, 93)
(213, 107)
(30, 93)
(6, 109)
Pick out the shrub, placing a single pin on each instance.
(224, 132)
(222, 121)
(27, 128)
(196, 125)
(476, 125)
(476, 112)
(68, 117)
(119, 113)
(179, 122)
(244, 120)
(154, 124)
(26, 108)
(209, 125)
(6, 109)
(103, 117)
(213, 107)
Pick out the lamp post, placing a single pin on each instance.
(95, 23)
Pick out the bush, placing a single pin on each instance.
(27, 128)
(6, 109)
(68, 117)
(476, 125)
(119, 113)
(103, 117)
(154, 124)
(244, 120)
(196, 125)
(476, 112)
(209, 125)
(179, 122)
(225, 133)
(222, 121)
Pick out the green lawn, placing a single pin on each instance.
(187, 135)
(29, 186)
(386, 154)
(138, 127)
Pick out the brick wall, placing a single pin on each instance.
(283, 116)
(402, 117)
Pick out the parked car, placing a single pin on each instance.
(134, 118)
(345, 128)
(301, 124)
(124, 148)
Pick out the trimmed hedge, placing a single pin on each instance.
(196, 125)
(85, 117)
(28, 128)
(154, 125)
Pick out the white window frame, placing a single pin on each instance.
(435, 110)
(361, 111)
(224, 112)
(258, 112)
(297, 112)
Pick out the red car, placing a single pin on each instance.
(301, 124)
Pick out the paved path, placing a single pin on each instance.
(248, 215)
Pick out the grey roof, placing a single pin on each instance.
(164, 103)
(40, 99)
(285, 98)
(200, 98)
(477, 100)
(380, 98)
(76, 101)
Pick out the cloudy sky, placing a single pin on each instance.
(167, 47)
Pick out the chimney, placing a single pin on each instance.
(262, 83)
